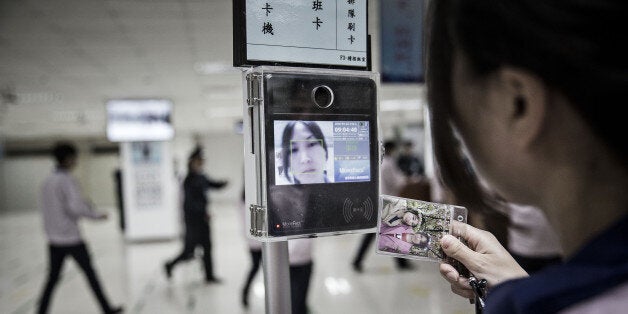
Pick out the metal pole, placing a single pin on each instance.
(276, 277)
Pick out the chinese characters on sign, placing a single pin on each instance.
(318, 23)
(267, 28)
(351, 25)
(317, 5)
(267, 8)
(331, 32)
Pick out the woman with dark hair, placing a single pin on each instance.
(529, 89)
(401, 239)
(304, 153)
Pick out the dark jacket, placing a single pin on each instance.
(598, 267)
(195, 200)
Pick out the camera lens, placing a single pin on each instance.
(322, 96)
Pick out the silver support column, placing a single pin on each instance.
(276, 277)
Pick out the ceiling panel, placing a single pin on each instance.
(14, 8)
(65, 58)
(148, 10)
(60, 9)
(166, 26)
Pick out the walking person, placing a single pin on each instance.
(62, 205)
(197, 220)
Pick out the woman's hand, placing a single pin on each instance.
(484, 256)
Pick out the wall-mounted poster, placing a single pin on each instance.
(146, 157)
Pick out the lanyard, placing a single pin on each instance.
(479, 289)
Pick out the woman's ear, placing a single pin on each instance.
(526, 105)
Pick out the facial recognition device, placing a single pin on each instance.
(312, 151)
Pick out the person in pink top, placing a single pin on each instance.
(401, 239)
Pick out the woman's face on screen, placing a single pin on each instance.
(307, 156)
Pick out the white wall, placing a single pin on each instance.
(21, 178)
(99, 182)
(224, 160)
(3, 188)
(150, 193)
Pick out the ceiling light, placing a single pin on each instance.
(336, 286)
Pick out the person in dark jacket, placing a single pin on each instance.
(409, 163)
(197, 231)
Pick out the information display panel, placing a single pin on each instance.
(134, 120)
(321, 33)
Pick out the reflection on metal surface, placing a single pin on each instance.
(258, 289)
(337, 286)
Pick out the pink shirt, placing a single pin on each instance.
(390, 239)
(530, 233)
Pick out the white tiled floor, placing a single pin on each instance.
(133, 276)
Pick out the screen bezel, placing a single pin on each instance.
(336, 192)
(288, 117)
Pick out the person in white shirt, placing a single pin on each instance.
(62, 205)
(392, 181)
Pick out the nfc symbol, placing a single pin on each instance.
(348, 209)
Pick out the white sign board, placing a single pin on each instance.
(323, 32)
(150, 191)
